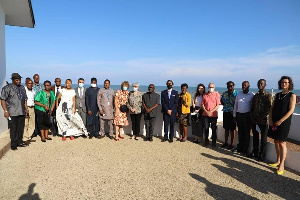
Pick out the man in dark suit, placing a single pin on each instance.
(80, 100)
(169, 100)
(56, 89)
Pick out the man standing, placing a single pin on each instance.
(80, 100)
(14, 103)
(210, 104)
(241, 112)
(30, 118)
(150, 104)
(92, 119)
(56, 89)
(105, 100)
(169, 100)
(260, 108)
(228, 100)
(36, 85)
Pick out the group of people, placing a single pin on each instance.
(35, 109)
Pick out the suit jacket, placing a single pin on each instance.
(79, 100)
(53, 88)
(169, 104)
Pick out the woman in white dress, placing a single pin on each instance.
(68, 120)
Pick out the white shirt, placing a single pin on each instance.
(30, 97)
(59, 89)
(242, 102)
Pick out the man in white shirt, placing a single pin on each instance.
(80, 100)
(241, 113)
(30, 117)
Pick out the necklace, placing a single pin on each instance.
(283, 96)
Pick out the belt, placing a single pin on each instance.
(30, 106)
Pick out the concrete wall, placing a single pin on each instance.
(3, 121)
(295, 130)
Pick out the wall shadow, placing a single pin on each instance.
(258, 179)
(220, 192)
(30, 195)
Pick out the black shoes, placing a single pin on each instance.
(14, 148)
(171, 140)
(164, 140)
(224, 145)
(23, 145)
(213, 144)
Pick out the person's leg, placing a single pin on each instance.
(102, 127)
(263, 141)
(42, 135)
(151, 127)
(213, 122)
(232, 137)
(240, 132)
(46, 132)
(226, 136)
(147, 127)
(166, 119)
(283, 151)
(180, 130)
(206, 128)
(255, 139)
(185, 132)
(277, 148)
(138, 124)
(117, 132)
(111, 127)
(172, 124)
(13, 132)
(248, 123)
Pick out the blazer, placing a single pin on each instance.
(53, 88)
(79, 100)
(169, 104)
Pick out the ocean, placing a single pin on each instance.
(192, 90)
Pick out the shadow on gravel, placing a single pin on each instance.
(258, 179)
(29, 195)
(220, 192)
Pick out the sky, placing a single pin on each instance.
(151, 41)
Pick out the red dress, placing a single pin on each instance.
(120, 117)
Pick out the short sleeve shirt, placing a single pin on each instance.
(210, 101)
(228, 101)
(15, 97)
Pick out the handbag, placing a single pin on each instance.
(124, 108)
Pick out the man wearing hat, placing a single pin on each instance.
(14, 103)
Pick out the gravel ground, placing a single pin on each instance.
(129, 169)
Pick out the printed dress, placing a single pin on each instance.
(69, 123)
(120, 117)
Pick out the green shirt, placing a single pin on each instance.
(41, 97)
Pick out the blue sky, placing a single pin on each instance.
(151, 41)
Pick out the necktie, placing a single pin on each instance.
(169, 94)
(80, 93)
(57, 91)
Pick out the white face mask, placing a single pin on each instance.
(211, 89)
(94, 85)
(81, 85)
(135, 89)
(124, 88)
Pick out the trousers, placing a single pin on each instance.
(16, 130)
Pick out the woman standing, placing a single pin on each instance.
(184, 104)
(121, 99)
(280, 119)
(134, 105)
(44, 105)
(197, 128)
(68, 120)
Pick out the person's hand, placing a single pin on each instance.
(147, 110)
(50, 112)
(132, 110)
(101, 112)
(196, 111)
(271, 123)
(169, 112)
(6, 115)
(74, 111)
(183, 102)
(209, 113)
(90, 113)
(46, 108)
(27, 113)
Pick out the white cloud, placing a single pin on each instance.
(271, 65)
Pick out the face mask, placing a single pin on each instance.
(135, 89)
(169, 86)
(94, 85)
(211, 89)
(81, 85)
(124, 88)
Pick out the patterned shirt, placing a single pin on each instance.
(37, 88)
(15, 97)
(135, 101)
(260, 107)
(228, 101)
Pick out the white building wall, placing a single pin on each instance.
(3, 121)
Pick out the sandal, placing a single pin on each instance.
(48, 138)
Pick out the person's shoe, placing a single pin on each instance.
(90, 137)
(250, 155)
(280, 172)
(146, 139)
(26, 142)
(84, 136)
(164, 140)
(44, 140)
(48, 138)
(230, 147)
(206, 143)
(121, 136)
(151, 139)
(234, 150)
(182, 140)
(111, 137)
(101, 136)
(214, 145)
(23, 145)
(31, 140)
(14, 148)
(224, 145)
(116, 139)
(171, 140)
(64, 138)
(274, 164)
(72, 138)
(136, 138)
